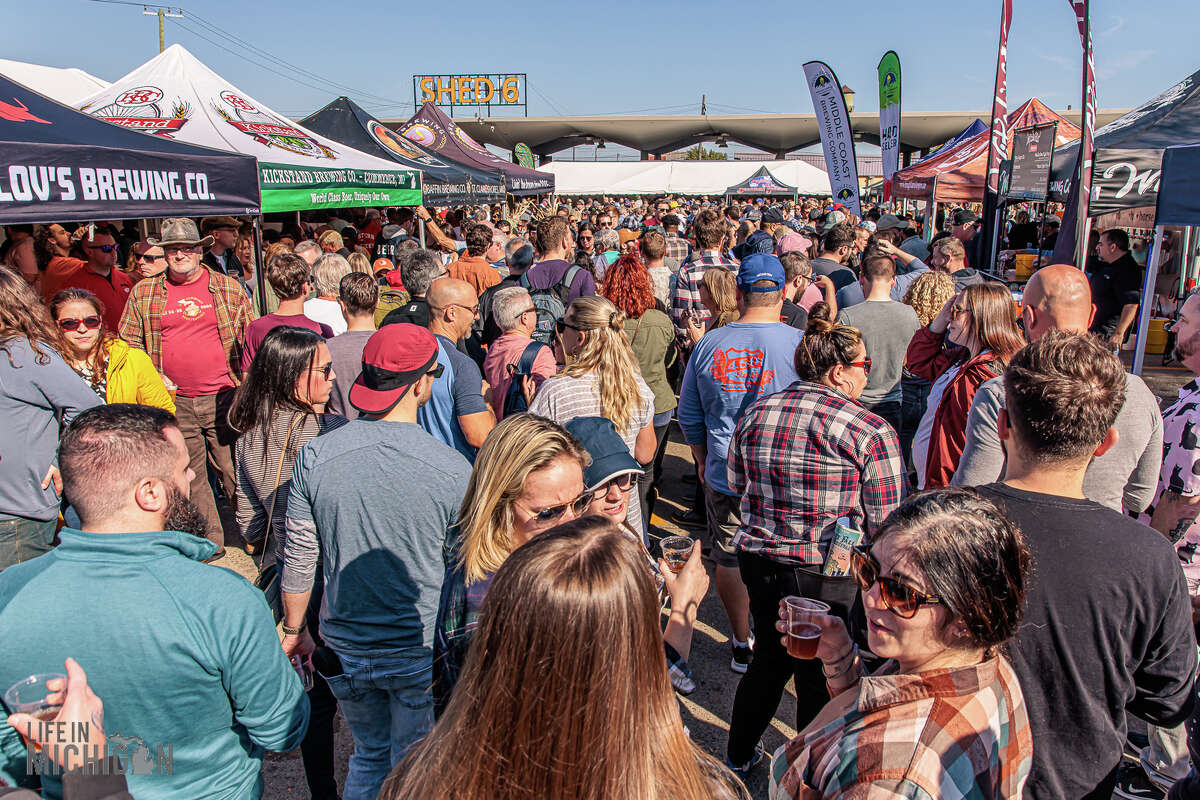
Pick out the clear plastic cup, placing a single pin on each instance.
(28, 696)
(804, 625)
(675, 551)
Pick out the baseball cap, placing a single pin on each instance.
(831, 219)
(890, 222)
(754, 215)
(382, 265)
(792, 242)
(963, 216)
(627, 235)
(760, 267)
(395, 357)
(772, 214)
(610, 455)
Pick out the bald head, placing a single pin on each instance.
(453, 306)
(1057, 297)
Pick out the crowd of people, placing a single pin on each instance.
(440, 436)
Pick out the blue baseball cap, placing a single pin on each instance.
(761, 267)
(610, 455)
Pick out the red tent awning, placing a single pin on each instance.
(960, 171)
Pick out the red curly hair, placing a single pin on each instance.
(627, 285)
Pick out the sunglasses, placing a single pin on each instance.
(622, 482)
(865, 364)
(561, 325)
(72, 324)
(324, 370)
(104, 248)
(437, 371)
(148, 257)
(579, 505)
(898, 598)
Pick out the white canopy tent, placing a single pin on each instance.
(67, 86)
(175, 95)
(677, 177)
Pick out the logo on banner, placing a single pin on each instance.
(889, 79)
(268, 129)
(142, 109)
(820, 81)
(16, 111)
(423, 134)
(465, 139)
(763, 182)
(396, 143)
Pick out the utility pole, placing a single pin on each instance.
(161, 12)
(704, 105)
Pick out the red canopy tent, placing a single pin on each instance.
(960, 171)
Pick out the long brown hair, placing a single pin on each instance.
(993, 316)
(22, 315)
(596, 721)
(97, 359)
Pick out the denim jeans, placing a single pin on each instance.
(387, 700)
(22, 539)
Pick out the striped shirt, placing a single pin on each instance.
(944, 734)
(256, 474)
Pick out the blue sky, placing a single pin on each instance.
(619, 56)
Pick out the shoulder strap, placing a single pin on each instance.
(564, 286)
(296, 420)
(524, 280)
(636, 328)
(528, 356)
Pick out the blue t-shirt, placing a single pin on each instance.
(458, 392)
(730, 368)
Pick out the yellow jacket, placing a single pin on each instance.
(132, 378)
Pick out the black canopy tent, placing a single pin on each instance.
(762, 184)
(1128, 158)
(63, 165)
(442, 183)
(431, 128)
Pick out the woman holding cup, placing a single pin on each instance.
(943, 585)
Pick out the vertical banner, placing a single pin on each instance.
(889, 118)
(1083, 20)
(836, 139)
(998, 144)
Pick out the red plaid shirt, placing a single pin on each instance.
(800, 459)
(687, 286)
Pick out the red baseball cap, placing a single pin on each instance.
(395, 358)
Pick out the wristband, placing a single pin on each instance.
(841, 662)
(295, 631)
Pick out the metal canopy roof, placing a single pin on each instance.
(774, 133)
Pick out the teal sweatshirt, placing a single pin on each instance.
(183, 654)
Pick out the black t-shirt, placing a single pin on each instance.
(1107, 629)
(415, 312)
(839, 274)
(1114, 286)
(794, 315)
(1022, 236)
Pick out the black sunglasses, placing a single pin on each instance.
(148, 257)
(561, 325)
(902, 600)
(579, 505)
(622, 482)
(436, 372)
(324, 370)
(72, 324)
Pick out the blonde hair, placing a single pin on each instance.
(360, 263)
(928, 294)
(331, 241)
(606, 353)
(519, 446)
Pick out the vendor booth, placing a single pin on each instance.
(762, 184)
(175, 96)
(61, 165)
(436, 132)
(443, 183)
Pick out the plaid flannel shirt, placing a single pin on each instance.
(800, 459)
(945, 733)
(141, 324)
(686, 296)
(458, 616)
(677, 249)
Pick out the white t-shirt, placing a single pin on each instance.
(920, 445)
(327, 311)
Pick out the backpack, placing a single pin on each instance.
(514, 399)
(550, 303)
(389, 300)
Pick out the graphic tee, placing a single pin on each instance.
(192, 353)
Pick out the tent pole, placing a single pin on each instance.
(1147, 304)
(260, 280)
(1000, 204)
(1083, 251)
(1185, 261)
